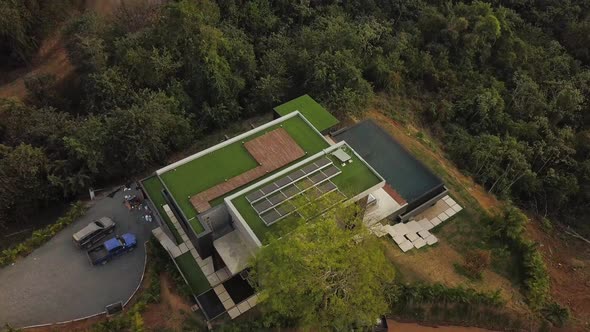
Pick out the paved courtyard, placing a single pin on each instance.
(57, 282)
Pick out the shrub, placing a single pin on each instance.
(476, 262)
(536, 279)
(440, 294)
(556, 314)
(509, 228)
(458, 305)
(41, 236)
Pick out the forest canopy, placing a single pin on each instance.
(504, 85)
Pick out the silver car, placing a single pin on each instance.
(94, 232)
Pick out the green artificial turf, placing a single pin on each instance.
(318, 116)
(355, 178)
(209, 170)
(154, 187)
(193, 274)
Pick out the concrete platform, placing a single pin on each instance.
(384, 207)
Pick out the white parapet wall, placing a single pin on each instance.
(237, 139)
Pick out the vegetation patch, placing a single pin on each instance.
(39, 237)
(192, 272)
(213, 168)
(154, 188)
(450, 305)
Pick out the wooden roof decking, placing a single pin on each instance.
(394, 194)
(272, 151)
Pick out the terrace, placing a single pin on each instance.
(321, 119)
(218, 172)
(267, 206)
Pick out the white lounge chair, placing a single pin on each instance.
(431, 240)
(424, 234)
(406, 245)
(399, 239)
(419, 243)
(412, 236)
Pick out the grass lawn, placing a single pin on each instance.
(466, 230)
(213, 168)
(354, 179)
(313, 112)
(192, 272)
(154, 189)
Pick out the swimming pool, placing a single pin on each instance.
(402, 171)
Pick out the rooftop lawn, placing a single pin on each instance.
(313, 112)
(211, 169)
(154, 187)
(192, 272)
(355, 178)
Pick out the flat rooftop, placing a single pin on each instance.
(402, 171)
(215, 170)
(319, 117)
(270, 207)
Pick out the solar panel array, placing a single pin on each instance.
(272, 202)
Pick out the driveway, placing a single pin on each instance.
(57, 282)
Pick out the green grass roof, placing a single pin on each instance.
(319, 117)
(154, 187)
(355, 178)
(213, 168)
(192, 272)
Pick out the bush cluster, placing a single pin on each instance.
(41, 236)
(509, 227)
(416, 294)
(450, 305)
(476, 262)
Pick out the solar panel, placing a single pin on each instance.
(304, 184)
(331, 171)
(298, 174)
(270, 217)
(327, 186)
(277, 198)
(309, 168)
(313, 193)
(262, 205)
(285, 208)
(290, 191)
(323, 162)
(283, 182)
(251, 197)
(268, 189)
(317, 177)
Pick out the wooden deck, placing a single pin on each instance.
(394, 194)
(272, 151)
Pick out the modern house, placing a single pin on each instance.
(225, 202)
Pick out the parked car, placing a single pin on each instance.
(94, 232)
(112, 248)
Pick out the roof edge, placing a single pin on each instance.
(230, 141)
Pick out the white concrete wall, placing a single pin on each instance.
(237, 139)
(246, 233)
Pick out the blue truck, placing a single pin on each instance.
(112, 248)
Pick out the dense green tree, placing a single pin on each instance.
(143, 134)
(503, 84)
(23, 178)
(23, 24)
(327, 273)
